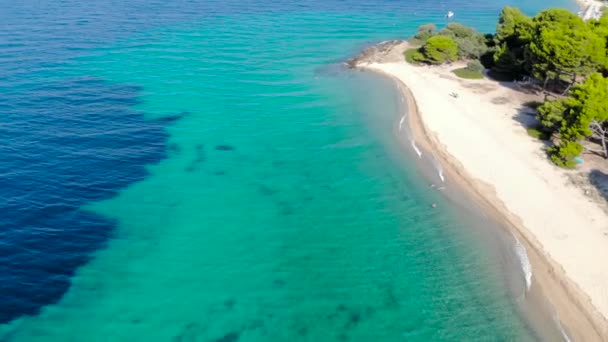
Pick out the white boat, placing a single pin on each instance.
(449, 15)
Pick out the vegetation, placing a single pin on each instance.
(562, 45)
(414, 56)
(538, 133)
(582, 114)
(471, 44)
(473, 70)
(452, 43)
(424, 32)
(440, 49)
(513, 34)
(557, 50)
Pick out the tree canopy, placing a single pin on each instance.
(562, 43)
(513, 34)
(582, 114)
(425, 32)
(471, 44)
(440, 49)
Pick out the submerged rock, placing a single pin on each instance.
(230, 337)
(224, 148)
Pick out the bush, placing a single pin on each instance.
(475, 65)
(425, 32)
(563, 154)
(414, 56)
(538, 133)
(551, 114)
(471, 44)
(440, 49)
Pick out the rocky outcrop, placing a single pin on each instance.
(384, 52)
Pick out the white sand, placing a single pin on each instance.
(494, 149)
(590, 9)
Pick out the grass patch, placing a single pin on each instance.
(536, 132)
(468, 73)
(413, 56)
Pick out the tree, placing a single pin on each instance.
(440, 49)
(561, 45)
(583, 114)
(514, 27)
(563, 154)
(471, 44)
(587, 102)
(600, 29)
(588, 112)
(513, 34)
(425, 32)
(551, 114)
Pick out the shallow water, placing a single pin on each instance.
(234, 182)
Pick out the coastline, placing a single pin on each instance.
(573, 304)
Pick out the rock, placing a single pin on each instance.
(381, 52)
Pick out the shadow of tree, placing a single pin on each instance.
(599, 180)
(526, 116)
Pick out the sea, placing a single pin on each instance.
(208, 170)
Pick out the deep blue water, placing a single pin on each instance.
(65, 141)
(69, 143)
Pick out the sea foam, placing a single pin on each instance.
(524, 261)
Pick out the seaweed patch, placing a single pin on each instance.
(353, 319)
(224, 148)
(191, 332)
(229, 304)
(199, 158)
(266, 190)
(229, 337)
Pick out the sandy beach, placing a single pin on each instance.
(590, 9)
(480, 139)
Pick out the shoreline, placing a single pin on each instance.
(544, 269)
(575, 311)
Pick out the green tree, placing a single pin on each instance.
(440, 49)
(551, 114)
(561, 45)
(583, 114)
(514, 28)
(513, 34)
(471, 44)
(563, 154)
(587, 102)
(600, 29)
(425, 32)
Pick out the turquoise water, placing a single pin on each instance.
(285, 208)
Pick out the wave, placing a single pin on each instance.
(401, 122)
(439, 169)
(561, 330)
(418, 152)
(524, 261)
